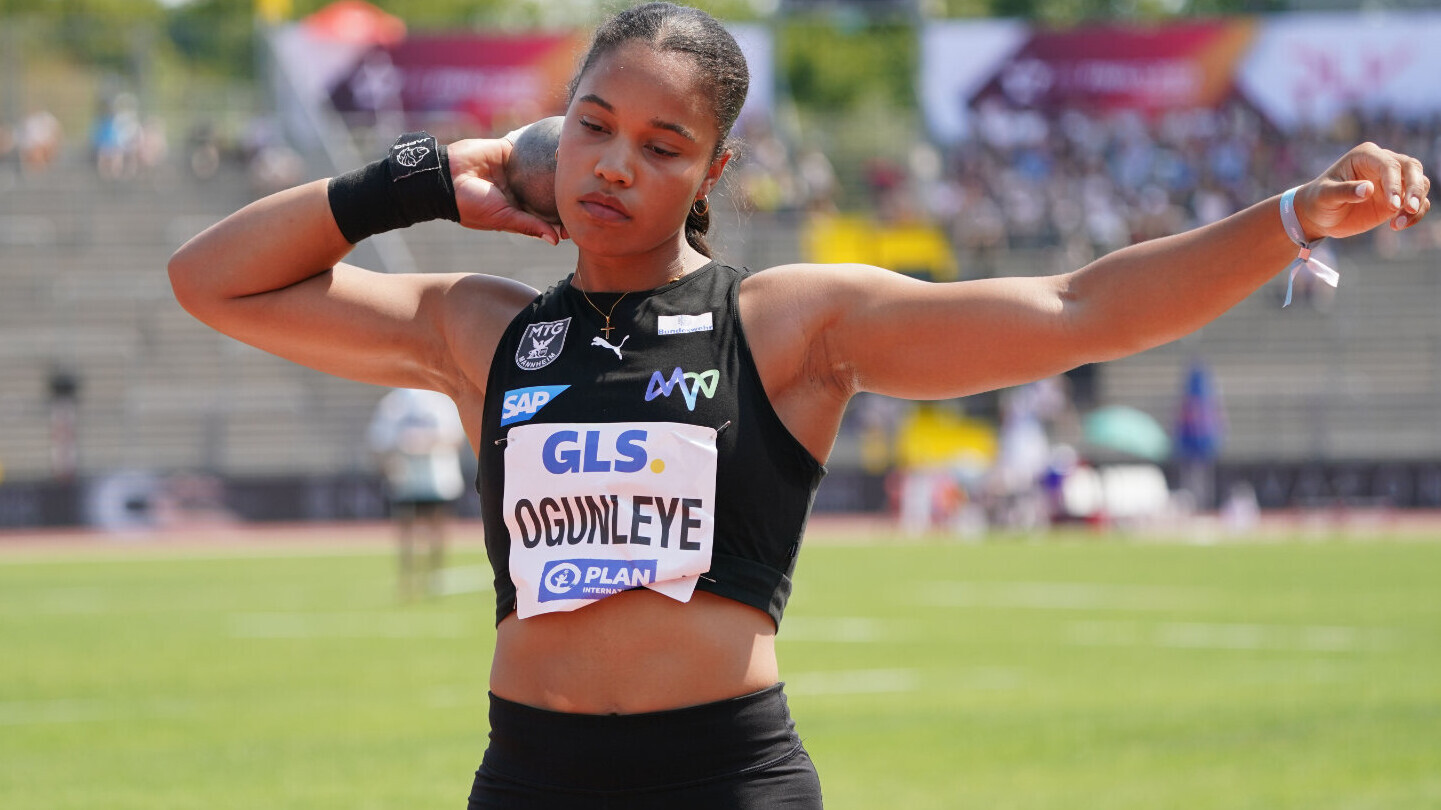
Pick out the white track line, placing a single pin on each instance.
(852, 682)
(353, 624)
(1060, 596)
(836, 630)
(1231, 636)
(85, 710)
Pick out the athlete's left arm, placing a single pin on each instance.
(873, 330)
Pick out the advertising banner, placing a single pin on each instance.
(485, 79)
(1296, 69)
(495, 82)
(957, 59)
(1110, 67)
(1304, 69)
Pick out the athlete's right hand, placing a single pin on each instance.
(477, 168)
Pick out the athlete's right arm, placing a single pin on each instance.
(270, 275)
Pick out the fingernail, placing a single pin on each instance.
(1400, 222)
(1395, 200)
(1414, 203)
(1363, 189)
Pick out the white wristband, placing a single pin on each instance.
(1314, 266)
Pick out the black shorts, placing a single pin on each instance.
(729, 755)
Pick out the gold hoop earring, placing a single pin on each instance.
(700, 207)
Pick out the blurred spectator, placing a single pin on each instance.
(766, 177)
(418, 437)
(153, 145)
(8, 151)
(270, 162)
(275, 167)
(202, 147)
(1200, 433)
(818, 180)
(1015, 484)
(1241, 512)
(38, 139)
(116, 137)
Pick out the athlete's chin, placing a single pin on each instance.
(607, 242)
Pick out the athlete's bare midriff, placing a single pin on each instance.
(636, 651)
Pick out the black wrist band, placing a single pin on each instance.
(412, 184)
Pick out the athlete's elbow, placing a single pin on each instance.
(1095, 334)
(187, 284)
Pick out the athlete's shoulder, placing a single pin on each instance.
(502, 290)
(478, 308)
(811, 279)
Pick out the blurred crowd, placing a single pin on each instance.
(1091, 183)
(1085, 183)
(124, 143)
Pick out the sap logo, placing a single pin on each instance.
(566, 451)
(593, 579)
(690, 383)
(523, 403)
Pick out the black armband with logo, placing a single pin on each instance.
(412, 184)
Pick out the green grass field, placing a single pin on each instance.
(1074, 673)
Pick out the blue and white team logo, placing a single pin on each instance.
(593, 579)
(691, 384)
(541, 344)
(521, 404)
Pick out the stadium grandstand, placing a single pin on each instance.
(118, 409)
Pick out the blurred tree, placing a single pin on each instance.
(96, 32)
(215, 35)
(833, 63)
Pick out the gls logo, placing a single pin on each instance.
(565, 451)
(690, 384)
(521, 404)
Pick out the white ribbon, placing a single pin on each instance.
(1314, 266)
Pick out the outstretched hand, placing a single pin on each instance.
(477, 166)
(1368, 186)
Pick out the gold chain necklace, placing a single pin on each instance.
(607, 329)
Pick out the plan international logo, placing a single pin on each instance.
(593, 579)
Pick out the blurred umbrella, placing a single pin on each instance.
(1126, 430)
(356, 22)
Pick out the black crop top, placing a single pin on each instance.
(583, 423)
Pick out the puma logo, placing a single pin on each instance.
(605, 344)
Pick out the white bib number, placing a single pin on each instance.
(595, 509)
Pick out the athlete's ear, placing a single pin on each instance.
(713, 174)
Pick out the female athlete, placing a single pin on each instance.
(651, 430)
